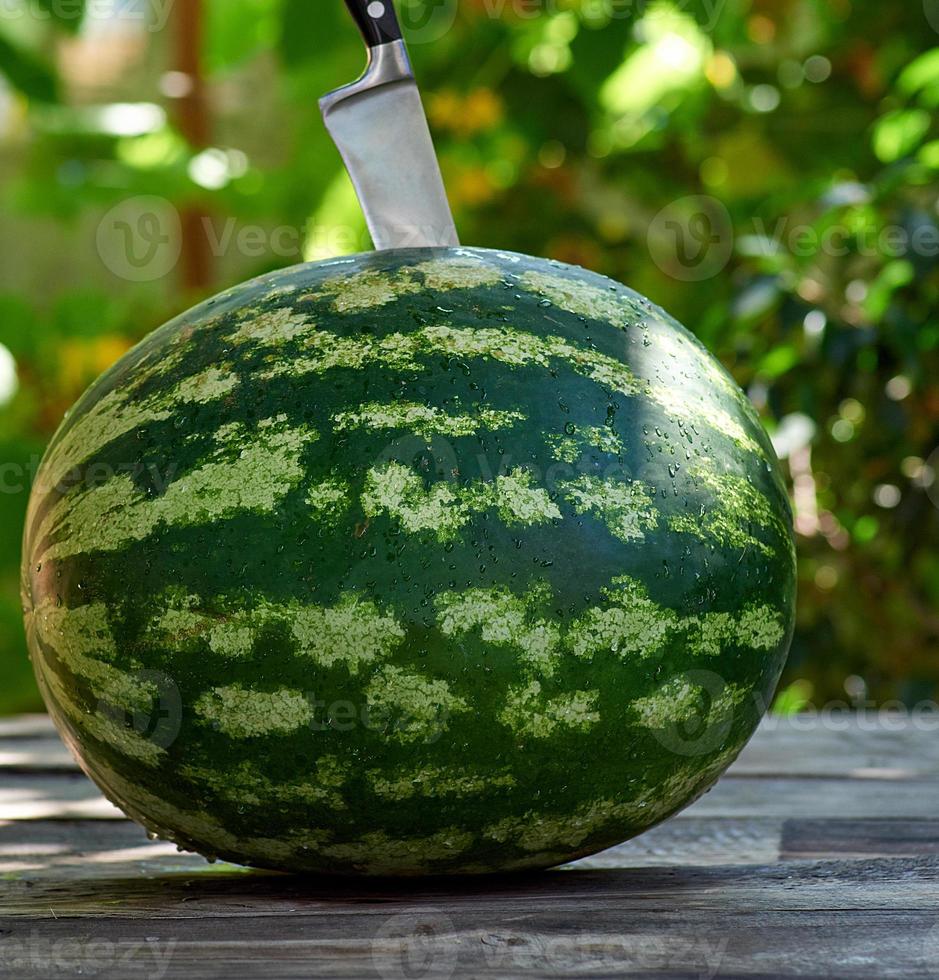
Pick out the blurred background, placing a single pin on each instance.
(764, 169)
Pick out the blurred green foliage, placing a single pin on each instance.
(764, 169)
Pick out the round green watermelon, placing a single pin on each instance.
(423, 561)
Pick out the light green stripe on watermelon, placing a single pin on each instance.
(374, 853)
(74, 633)
(243, 713)
(433, 782)
(183, 626)
(679, 701)
(272, 327)
(536, 831)
(625, 508)
(758, 627)
(100, 724)
(569, 448)
(82, 642)
(632, 626)
(581, 298)
(192, 826)
(505, 620)
(116, 513)
(119, 737)
(121, 411)
(699, 370)
(329, 499)
(412, 707)
(247, 784)
(357, 633)
(366, 290)
(445, 508)
(697, 409)
(595, 302)
(325, 351)
(736, 504)
(687, 400)
(528, 712)
(78, 637)
(379, 854)
(424, 420)
(354, 632)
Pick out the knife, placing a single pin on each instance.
(378, 124)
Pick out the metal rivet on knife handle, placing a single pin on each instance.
(376, 20)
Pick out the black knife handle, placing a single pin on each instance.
(376, 19)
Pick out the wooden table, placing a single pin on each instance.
(817, 855)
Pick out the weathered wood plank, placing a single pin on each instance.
(35, 754)
(910, 884)
(53, 796)
(394, 943)
(784, 797)
(879, 746)
(26, 726)
(860, 837)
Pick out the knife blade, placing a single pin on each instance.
(379, 126)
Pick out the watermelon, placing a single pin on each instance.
(442, 561)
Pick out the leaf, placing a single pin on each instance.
(894, 275)
(778, 361)
(900, 132)
(27, 73)
(920, 73)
